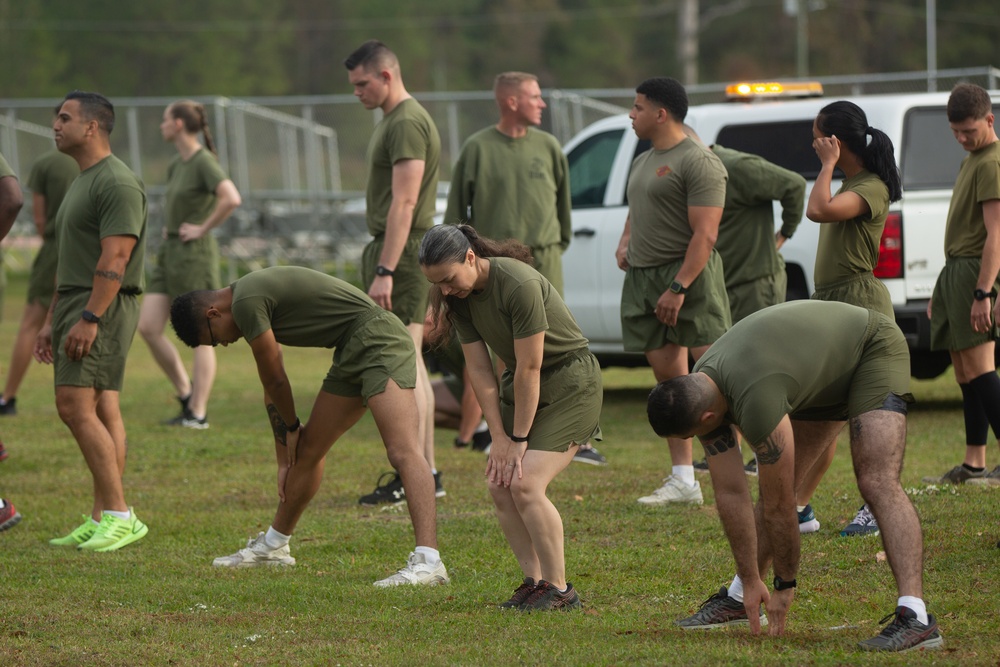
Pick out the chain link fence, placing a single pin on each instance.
(299, 162)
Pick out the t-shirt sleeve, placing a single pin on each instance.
(705, 178)
(252, 316)
(527, 309)
(120, 207)
(876, 195)
(210, 172)
(988, 181)
(408, 139)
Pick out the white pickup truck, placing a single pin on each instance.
(912, 248)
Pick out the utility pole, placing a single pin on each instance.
(931, 46)
(687, 41)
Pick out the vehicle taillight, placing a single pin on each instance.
(890, 248)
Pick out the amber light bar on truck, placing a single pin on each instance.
(756, 90)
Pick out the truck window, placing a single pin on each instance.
(590, 168)
(787, 144)
(931, 156)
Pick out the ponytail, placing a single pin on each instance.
(847, 121)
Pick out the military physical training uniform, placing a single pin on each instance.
(516, 188)
(964, 239)
(755, 272)
(811, 360)
(182, 267)
(50, 177)
(518, 302)
(405, 133)
(306, 308)
(847, 252)
(662, 185)
(106, 199)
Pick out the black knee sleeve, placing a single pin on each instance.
(987, 388)
(977, 427)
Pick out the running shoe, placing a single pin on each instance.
(546, 597)
(114, 533)
(386, 492)
(905, 633)
(718, 611)
(992, 478)
(674, 490)
(751, 467)
(416, 572)
(701, 466)
(521, 594)
(80, 534)
(807, 521)
(9, 516)
(590, 455)
(8, 408)
(3, 452)
(864, 523)
(439, 491)
(257, 553)
(957, 475)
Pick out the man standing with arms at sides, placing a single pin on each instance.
(94, 314)
(403, 157)
(674, 296)
(962, 319)
(511, 181)
(11, 201)
(49, 180)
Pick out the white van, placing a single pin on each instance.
(912, 248)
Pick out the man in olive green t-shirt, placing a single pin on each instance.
(101, 225)
(788, 377)
(674, 296)
(373, 366)
(963, 318)
(402, 158)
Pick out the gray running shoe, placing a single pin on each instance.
(905, 633)
(992, 478)
(718, 611)
(864, 523)
(521, 594)
(957, 475)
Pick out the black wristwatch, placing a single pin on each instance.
(382, 271)
(90, 317)
(980, 295)
(781, 585)
(677, 288)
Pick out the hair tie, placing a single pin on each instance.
(870, 130)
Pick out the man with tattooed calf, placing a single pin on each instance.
(787, 378)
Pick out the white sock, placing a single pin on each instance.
(96, 523)
(2, 502)
(736, 589)
(800, 508)
(685, 474)
(274, 539)
(916, 605)
(482, 427)
(124, 516)
(431, 556)
(434, 471)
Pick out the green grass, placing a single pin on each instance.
(160, 602)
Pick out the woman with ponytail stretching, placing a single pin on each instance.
(199, 198)
(852, 221)
(546, 404)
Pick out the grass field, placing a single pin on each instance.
(159, 602)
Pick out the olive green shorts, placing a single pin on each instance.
(749, 297)
(409, 286)
(42, 281)
(884, 369)
(951, 307)
(703, 318)
(379, 347)
(185, 267)
(863, 290)
(570, 397)
(548, 262)
(104, 366)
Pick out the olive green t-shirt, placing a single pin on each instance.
(789, 357)
(517, 302)
(50, 177)
(191, 188)
(978, 181)
(511, 188)
(5, 169)
(303, 307)
(850, 247)
(106, 199)
(746, 233)
(405, 133)
(661, 187)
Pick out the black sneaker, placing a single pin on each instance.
(905, 633)
(185, 414)
(546, 597)
(8, 408)
(701, 466)
(864, 523)
(390, 492)
(481, 441)
(751, 467)
(718, 611)
(590, 455)
(521, 594)
(439, 491)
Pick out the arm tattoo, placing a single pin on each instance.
(719, 441)
(110, 275)
(769, 451)
(278, 425)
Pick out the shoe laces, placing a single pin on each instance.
(897, 623)
(864, 516)
(721, 595)
(541, 590)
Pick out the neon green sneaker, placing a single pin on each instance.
(115, 533)
(80, 534)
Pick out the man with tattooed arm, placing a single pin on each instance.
(788, 377)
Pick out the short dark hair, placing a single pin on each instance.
(186, 316)
(373, 54)
(94, 106)
(674, 406)
(667, 93)
(967, 100)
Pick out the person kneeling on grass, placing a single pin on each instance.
(765, 378)
(374, 366)
(548, 400)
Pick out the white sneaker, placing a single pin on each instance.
(674, 490)
(256, 554)
(417, 571)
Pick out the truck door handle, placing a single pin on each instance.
(585, 232)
